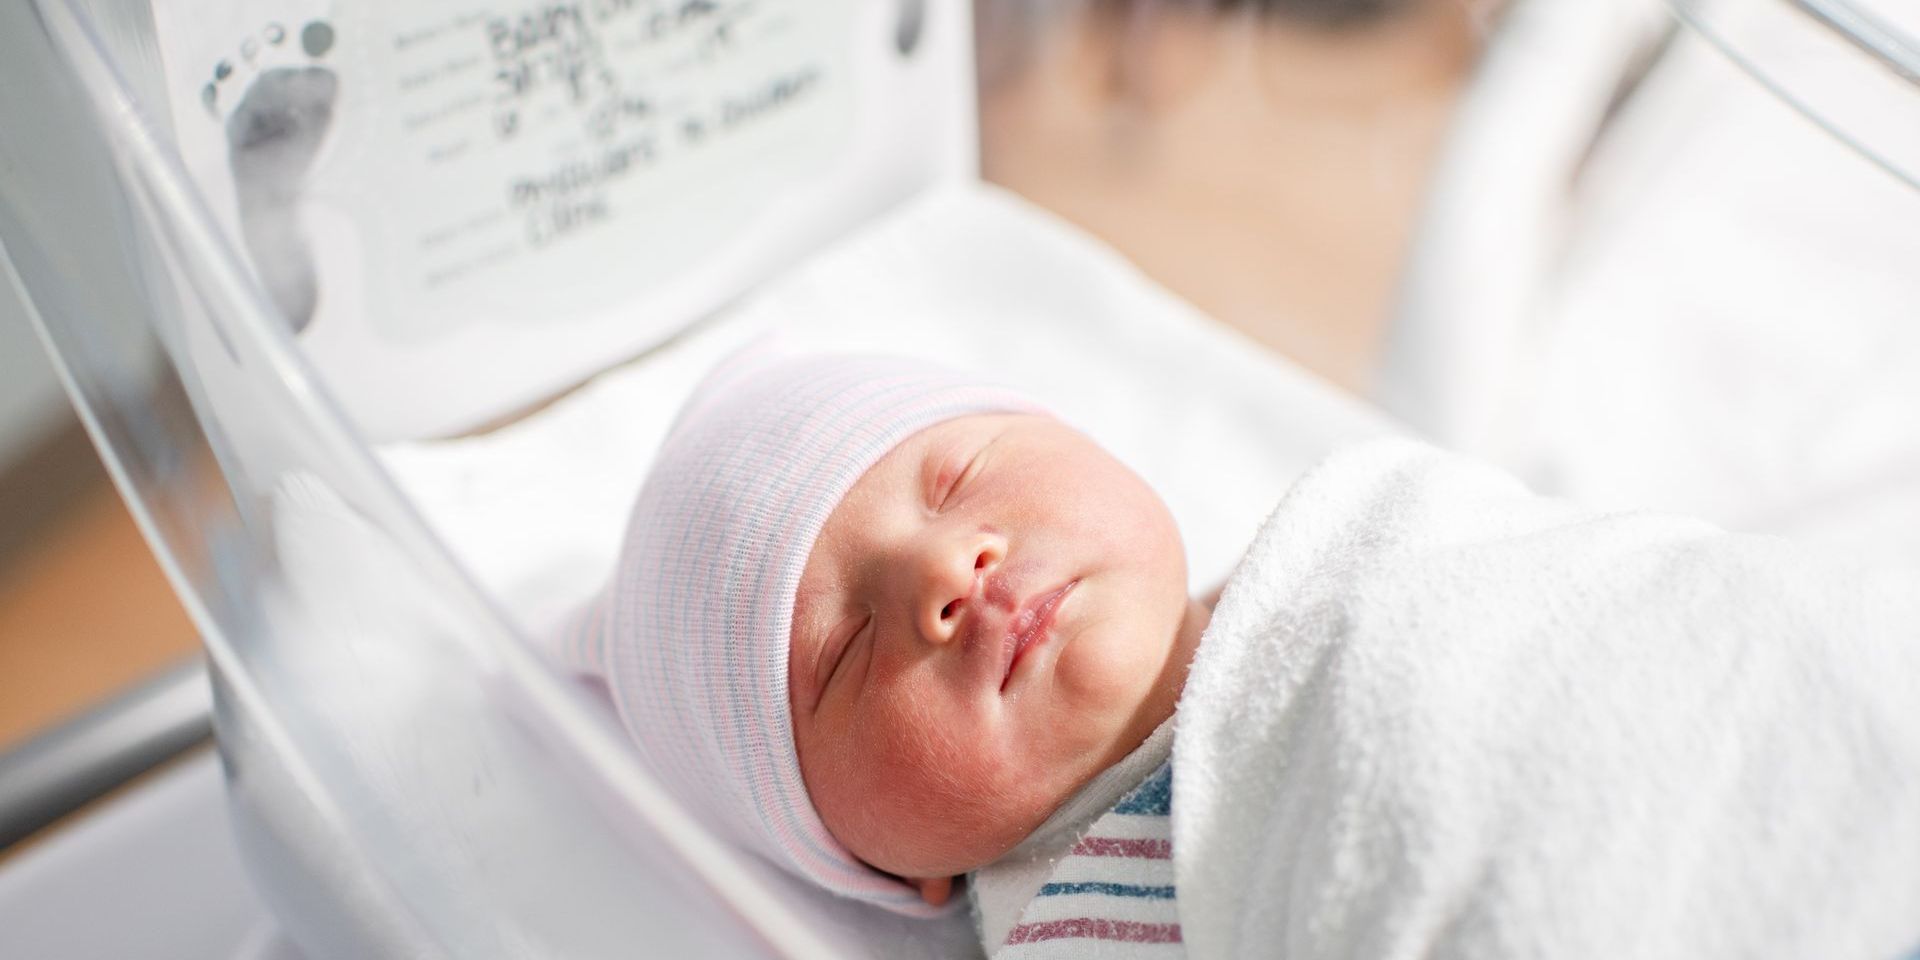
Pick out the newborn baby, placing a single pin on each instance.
(883, 626)
(993, 613)
(883, 621)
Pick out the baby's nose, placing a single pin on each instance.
(952, 583)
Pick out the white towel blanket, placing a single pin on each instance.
(1437, 716)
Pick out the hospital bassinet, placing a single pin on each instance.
(406, 778)
(424, 819)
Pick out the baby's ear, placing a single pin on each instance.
(934, 891)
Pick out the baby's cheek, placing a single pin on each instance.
(926, 753)
(950, 791)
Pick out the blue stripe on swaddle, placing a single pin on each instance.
(1108, 889)
(1153, 798)
(1113, 898)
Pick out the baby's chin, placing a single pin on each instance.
(942, 833)
(922, 850)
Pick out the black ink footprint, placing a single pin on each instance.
(277, 104)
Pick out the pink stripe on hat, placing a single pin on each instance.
(692, 633)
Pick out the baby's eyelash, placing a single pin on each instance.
(945, 477)
(840, 658)
(959, 481)
(948, 481)
(967, 472)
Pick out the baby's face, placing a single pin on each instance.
(995, 612)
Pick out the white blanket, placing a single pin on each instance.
(1437, 716)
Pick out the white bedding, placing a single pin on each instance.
(972, 277)
(1721, 318)
(1438, 716)
(1736, 333)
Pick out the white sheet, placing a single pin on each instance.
(1437, 716)
(1722, 319)
(974, 278)
(1740, 324)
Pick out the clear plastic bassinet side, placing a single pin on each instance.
(1852, 67)
(405, 777)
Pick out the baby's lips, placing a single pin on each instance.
(1032, 624)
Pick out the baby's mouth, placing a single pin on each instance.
(1030, 625)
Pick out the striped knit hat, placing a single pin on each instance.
(691, 635)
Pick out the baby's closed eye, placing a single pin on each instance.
(838, 651)
(956, 467)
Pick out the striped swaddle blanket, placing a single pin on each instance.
(1112, 895)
